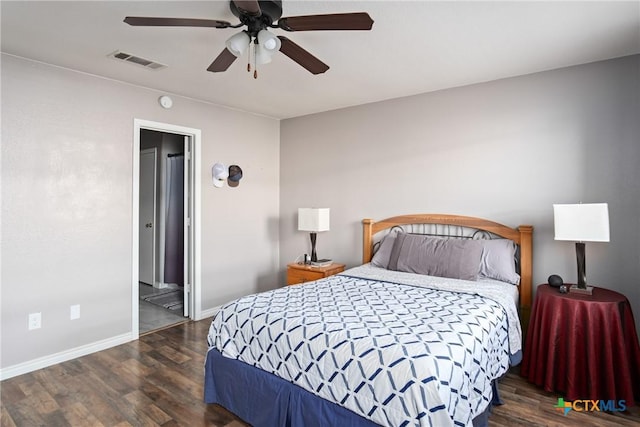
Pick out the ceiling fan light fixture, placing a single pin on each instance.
(268, 41)
(238, 43)
(262, 55)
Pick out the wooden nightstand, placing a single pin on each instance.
(300, 273)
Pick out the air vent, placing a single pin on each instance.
(133, 59)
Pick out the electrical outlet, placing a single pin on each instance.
(35, 321)
(74, 312)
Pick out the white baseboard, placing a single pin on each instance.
(63, 356)
(209, 313)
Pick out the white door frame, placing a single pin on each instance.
(196, 148)
(187, 268)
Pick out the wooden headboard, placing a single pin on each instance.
(522, 236)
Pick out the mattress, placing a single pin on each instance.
(393, 348)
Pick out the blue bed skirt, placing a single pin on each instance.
(265, 400)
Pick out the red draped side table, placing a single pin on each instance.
(583, 346)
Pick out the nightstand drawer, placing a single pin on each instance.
(295, 277)
(300, 273)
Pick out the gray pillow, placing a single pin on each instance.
(381, 257)
(498, 260)
(454, 258)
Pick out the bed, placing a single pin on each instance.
(418, 334)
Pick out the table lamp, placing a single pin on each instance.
(588, 222)
(313, 220)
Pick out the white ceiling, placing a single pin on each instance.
(414, 47)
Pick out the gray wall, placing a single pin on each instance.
(67, 152)
(504, 150)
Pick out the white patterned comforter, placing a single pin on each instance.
(386, 345)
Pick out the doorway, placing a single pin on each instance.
(166, 267)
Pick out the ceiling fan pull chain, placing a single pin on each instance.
(255, 63)
(255, 67)
(249, 57)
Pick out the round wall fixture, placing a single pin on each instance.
(165, 101)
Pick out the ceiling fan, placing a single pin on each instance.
(257, 16)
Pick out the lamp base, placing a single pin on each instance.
(574, 289)
(314, 257)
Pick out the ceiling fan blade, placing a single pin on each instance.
(335, 21)
(302, 57)
(222, 62)
(248, 7)
(143, 21)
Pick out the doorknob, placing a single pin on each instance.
(149, 225)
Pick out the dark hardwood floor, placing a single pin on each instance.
(158, 381)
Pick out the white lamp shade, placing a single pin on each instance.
(238, 43)
(313, 219)
(269, 41)
(587, 222)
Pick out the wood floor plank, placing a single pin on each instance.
(158, 380)
(173, 354)
(22, 414)
(11, 392)
(84, 389)
(39, 399)
(77, 414)
(140, 400)
(135, 368)
(5, 418)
